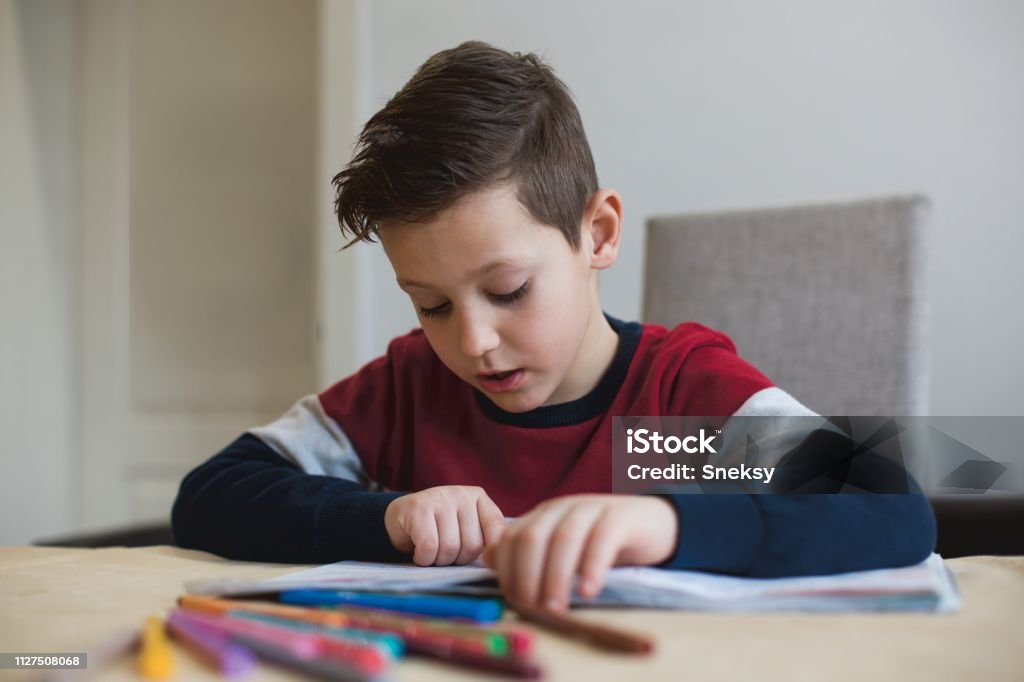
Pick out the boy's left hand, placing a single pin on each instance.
(540, 553)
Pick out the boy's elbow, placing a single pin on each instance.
(824, 534)
(898, 530)
(210, 512)
(185, 518)
(180, 529)
(200, 517)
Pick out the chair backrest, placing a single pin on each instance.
(827, 300)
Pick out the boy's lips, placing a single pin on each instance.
(499, 382)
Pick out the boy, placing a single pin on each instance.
(478, 179)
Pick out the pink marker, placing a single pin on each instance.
(367, 658)
(212, 646)
(298, 644)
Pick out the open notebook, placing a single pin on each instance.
(927, 586)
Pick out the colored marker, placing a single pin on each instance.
(520, 641)
(313, 618)
(213, 647)
(508, 665)
(471, 637)
(296, 643)
(392, 644)
(413, 630)
(320, 667)
(603, 636)
(516, 640)
(222, 607)
(406, 626)
(479, 610)
(368, 657)
(155, 661)
(416, 632)
(423, 641)
(305, 645)
(378, 621)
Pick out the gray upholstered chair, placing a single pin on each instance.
(828, 300)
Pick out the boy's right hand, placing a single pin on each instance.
(444, 525)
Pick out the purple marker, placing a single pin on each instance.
(299, 644)
(228, 658)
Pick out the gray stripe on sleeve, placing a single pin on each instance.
(314, 442)
(773, 402)
(774, 420)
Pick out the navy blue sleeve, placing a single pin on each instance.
(250, 503)
(770, 536)
(824, 532)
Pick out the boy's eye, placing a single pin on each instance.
(435, 311)
(514, 296)
(504, 299)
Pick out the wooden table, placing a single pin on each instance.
(64, 600)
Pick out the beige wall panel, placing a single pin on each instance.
(223, 157)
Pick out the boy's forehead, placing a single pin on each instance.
(482, 233)
(505, 262)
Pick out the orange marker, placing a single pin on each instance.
(222, 607)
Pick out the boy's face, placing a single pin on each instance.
(495, 291)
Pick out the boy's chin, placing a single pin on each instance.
(511, 402)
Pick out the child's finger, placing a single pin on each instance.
(423, 534)
(531, 543)
(502, 566)
(492, 521)
(490, 555)
(449, 537)
(564, 555)
(471, 537)
(602, 546)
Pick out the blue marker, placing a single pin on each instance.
(479, 610)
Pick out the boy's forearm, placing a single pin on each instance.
(249, 503)
(790, 535)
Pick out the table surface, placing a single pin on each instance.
(64, 600)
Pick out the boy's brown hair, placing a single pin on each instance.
(471, 117)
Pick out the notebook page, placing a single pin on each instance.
(927, 586)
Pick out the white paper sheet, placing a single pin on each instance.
(928, 586)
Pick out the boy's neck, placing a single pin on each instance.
(596, 354)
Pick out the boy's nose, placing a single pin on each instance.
(477, 335)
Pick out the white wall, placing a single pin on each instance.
(36, 268)
(343, 315)
(708, 105)
(158, 180)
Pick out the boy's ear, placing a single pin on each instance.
(602, 223)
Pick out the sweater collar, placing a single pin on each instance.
(582, 409)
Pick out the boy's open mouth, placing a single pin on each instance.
(498, 382)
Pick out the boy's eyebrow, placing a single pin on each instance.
(483, 270)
